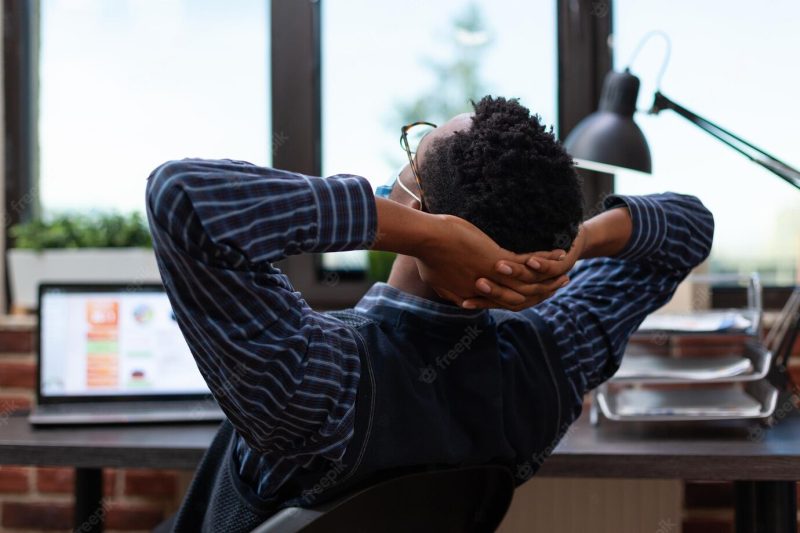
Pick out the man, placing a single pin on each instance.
(419, 374)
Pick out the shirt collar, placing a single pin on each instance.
(382, 294)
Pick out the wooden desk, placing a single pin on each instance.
(134, 446)
(89, 449)
(694, 451)
(765, 464)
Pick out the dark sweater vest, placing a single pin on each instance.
(431, 395)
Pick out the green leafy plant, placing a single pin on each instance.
(379, 265)
(73, 230)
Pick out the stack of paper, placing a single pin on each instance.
(700, 322)
(690, 368)
(732, 402)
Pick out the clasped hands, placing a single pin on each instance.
(468, 268)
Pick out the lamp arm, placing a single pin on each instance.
(755, 154)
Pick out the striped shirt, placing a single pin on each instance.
(285, 375)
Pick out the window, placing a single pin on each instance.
(422, 60)
(731, 63)
(126, 85)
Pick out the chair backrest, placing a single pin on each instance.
(470, 499)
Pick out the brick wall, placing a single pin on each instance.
(41, 499)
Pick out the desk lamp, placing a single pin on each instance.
(609, 140)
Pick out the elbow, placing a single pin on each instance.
(700, 226)
(163, 185)
(704, 224)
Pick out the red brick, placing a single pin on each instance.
(60, 480)
(18, 374)
(14, 479)
(707, 525)
(109, 481)
(794, 373)
(129, 517)
(702, 494)
(16, 341)
(796, 348)
(13, 402)
(150, 483)
(39, 515)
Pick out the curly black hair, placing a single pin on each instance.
(508, 175)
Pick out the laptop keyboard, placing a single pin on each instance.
(128, 407)
(112, 413)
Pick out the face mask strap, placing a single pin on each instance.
(402, 185)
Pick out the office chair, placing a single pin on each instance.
(463, 500)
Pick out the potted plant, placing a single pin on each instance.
(93, 248)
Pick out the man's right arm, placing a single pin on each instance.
(604, 235)
(637, 252)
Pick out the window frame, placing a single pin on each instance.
(584, 56)
(296, 64)
(20, 94)
(584, 31)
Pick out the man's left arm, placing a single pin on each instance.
(623, 280)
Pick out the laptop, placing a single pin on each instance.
(113, 354)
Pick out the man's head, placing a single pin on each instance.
(504, 172)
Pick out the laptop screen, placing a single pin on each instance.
(112, 341)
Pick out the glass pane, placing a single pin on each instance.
(732, 63)
(127, 84)
(422, 60)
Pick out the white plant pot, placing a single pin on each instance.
(28, 268)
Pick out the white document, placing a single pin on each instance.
(686, 368)
(732, 402)
(699, 322)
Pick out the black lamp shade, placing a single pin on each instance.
(609, 139)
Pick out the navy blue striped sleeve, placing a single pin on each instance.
(593, 317)
(285, 375)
